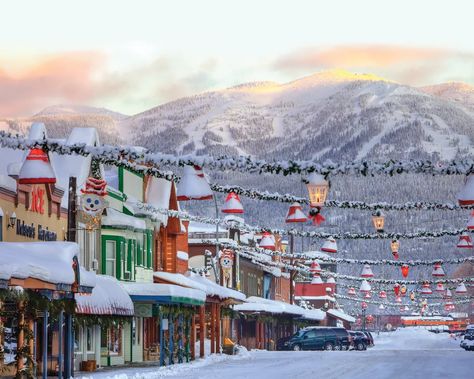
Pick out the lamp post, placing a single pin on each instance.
(295, 214)
(378, 218)
(364, 309)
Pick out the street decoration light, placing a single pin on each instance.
(318, 188)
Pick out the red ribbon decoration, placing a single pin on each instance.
(315, 216)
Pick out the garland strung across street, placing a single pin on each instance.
(115, 155)
(369, 301)
(360, 205)
(325, 273)
(149, 209)
(322, 258)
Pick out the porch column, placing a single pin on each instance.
(97, 335)
(162, 342)
(21, 337)
(45, 345)
(257, 335)
(180, 338)
(68, 347)
(60, 343)
(213, 329)
(218, 328)
(202, 331)
(31, 345)
(171, 338)
(193, 337)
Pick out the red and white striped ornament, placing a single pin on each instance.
(267, 241)
(295, 214)
(367, 272)
(461, 289)
(193, 185)
(382, 294)
(329, 246)
(466, 195)
(37, 169)
(465, 241)
(365, 287)
(438, 271)
(232, 204)
(426, 289)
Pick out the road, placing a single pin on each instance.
(404, 354)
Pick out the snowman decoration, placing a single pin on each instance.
(92, 201)
(227, 261)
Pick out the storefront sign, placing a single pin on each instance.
(143, 310)
(30, 231)
(37, 200)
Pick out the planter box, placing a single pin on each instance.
(90, 365)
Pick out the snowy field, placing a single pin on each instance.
(406, 353)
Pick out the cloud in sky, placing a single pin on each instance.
(93, 78)
(407, 65)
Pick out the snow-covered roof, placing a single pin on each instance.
(178, 279)
(121, 220)
(314, 314)
(108, 298)
(341, 315)
(198, 227)
(214, 289)
(155, 292)
(182, 255)
(259, 304)
(325, 298)
(47, 261)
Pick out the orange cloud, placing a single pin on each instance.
(68, 77)
(357, 57)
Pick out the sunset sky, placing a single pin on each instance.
(129, 56)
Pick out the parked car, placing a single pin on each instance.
(467, 342)
(370, 338)
(359, 340)
(318, 338)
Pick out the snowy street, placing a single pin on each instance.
(405, 353)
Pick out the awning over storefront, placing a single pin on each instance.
(193, 280)
(164, 293)
(340, 315)
(108, 298)
(261, 305)
(42, 265)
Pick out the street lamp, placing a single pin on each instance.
(378, 218)
(318, 188)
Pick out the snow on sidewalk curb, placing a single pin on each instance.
(160, 372)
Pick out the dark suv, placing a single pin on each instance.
(319, 338)
(370, 338)
(359, 340)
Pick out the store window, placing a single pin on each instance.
(110, 257)
(111, 340)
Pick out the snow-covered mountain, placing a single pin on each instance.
(333, 114)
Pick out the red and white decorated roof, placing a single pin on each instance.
(465, 241)
(367, 272)
(37, 169)
(295, 214)
(466, 195)
(329, 246)
(232, 204)
(193, 185)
